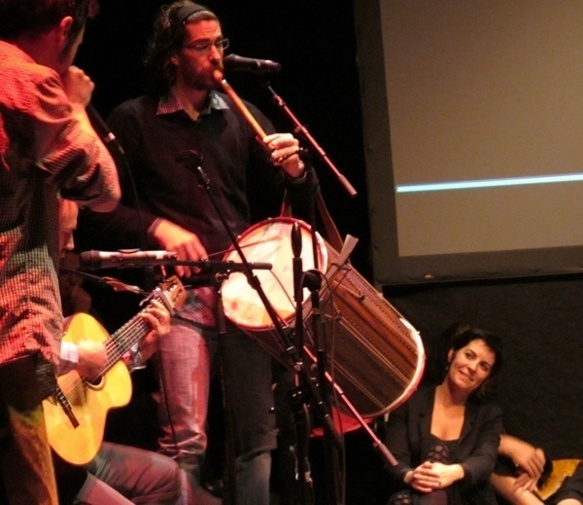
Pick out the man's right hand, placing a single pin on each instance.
(185, 244)
(92, 358)
(78, 87)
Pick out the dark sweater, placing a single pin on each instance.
(246, 186)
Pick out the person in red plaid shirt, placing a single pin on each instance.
(48, 149)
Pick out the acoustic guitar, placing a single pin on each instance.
(75, 416)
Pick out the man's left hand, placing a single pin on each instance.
(284, 149)
(159, 319)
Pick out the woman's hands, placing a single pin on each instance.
(430, 476)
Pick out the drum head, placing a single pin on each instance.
(268, 242)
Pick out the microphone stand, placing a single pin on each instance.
(297, 399)
(313, 282)
(321, 363)
(217, 282)
(301, 129)
(193, 161)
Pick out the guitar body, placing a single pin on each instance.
(90, 402)
(78, 400)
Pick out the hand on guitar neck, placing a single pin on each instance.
(93, 355)
(159, 318)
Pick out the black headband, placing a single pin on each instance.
(188, 10)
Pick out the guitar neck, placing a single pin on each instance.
(171, 294)
(124, 339)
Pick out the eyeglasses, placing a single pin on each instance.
(205, 46)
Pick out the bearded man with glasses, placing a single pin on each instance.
(183, 111)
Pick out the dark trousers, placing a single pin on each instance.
(25, 456)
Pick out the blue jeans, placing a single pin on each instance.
(184, 365)
(123, 475)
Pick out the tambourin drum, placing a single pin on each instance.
(374, 354)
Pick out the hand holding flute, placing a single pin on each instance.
(284, 147)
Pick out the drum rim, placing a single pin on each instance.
(323, 256)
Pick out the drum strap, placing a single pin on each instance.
(331, 230)
(332, 233)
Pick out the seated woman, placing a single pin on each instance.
(446, 437)
(523, 476)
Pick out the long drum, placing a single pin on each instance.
(373, 354)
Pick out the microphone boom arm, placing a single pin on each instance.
(300, 128)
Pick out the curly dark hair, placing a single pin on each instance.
(167, 39)
(34, 17)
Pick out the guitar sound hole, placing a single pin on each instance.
(94, 383)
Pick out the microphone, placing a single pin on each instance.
(102, 130)
(236, 63)
(95, 260)
(312, 280)
(193, 161)
(296, 240)
(296, 244)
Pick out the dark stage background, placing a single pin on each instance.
(315, 41)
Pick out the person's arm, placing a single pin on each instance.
(134, 224)
(89, 357)
(476, 468)
(172, 237)
(528, 458)
(403, 439)
(505, 486)
(529, 462)
(482, 459)
(397, 440)
(126, 226)
(66, 149)
(282, 166)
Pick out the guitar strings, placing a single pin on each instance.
(116, 346)
(119, 343)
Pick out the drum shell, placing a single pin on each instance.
(376, 358)
(374, 354)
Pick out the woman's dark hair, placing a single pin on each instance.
(167, 39)
(454, 338)
(34, 17)
(467, 334)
